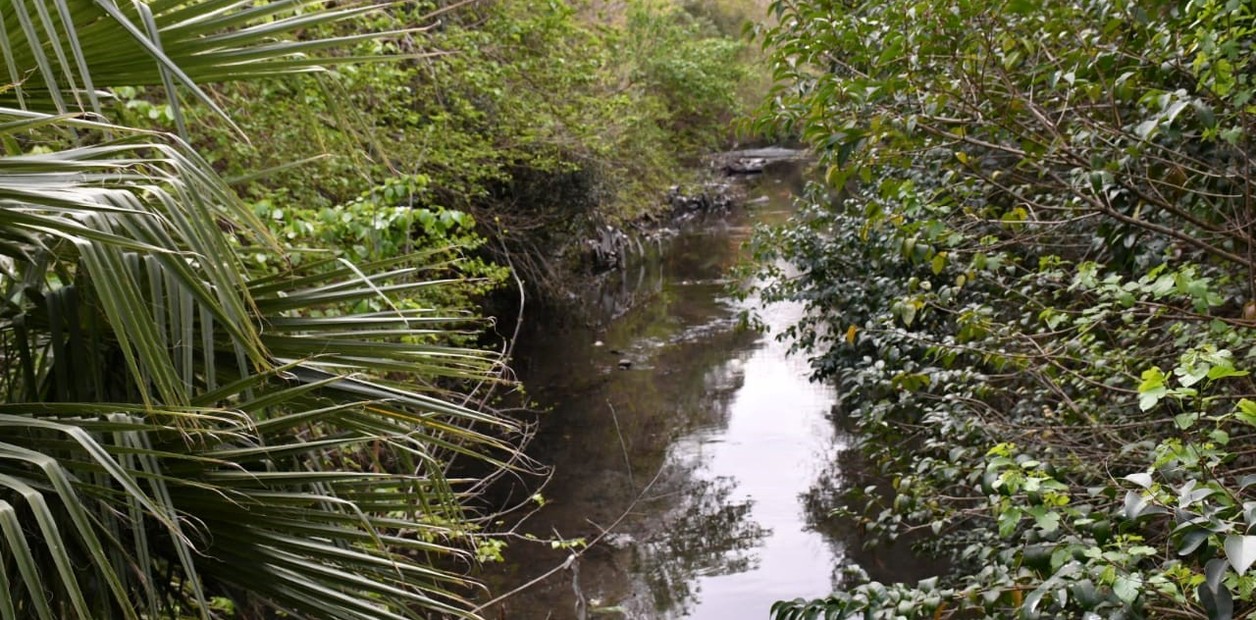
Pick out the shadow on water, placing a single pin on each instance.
(720, 456)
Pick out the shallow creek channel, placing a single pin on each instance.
(704, 443)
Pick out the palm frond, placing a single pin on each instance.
(172, 426)
(58, 53)
(138, 213)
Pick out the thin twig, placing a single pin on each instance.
(622, 446)
(576, 555)
(509, 350)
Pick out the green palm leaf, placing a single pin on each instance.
(174, 427)
(56, 53)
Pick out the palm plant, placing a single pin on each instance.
(174, 429)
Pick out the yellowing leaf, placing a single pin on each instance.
(1246, 412)
(1152, 388)
(833, 176)
(850, 334)
(908, 313)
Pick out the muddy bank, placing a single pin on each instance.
(614, 269)
(613, 247)
(731, 177)
(758, 160)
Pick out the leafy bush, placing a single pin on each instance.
(540, 119)
(1031, 261)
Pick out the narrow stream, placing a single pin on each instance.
(704, 443)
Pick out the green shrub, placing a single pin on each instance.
(1030, 260)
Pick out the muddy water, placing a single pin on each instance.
(700, 445)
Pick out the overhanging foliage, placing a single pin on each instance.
(181, 433)
(1037, 271)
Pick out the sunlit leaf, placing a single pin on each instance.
(1240, 551)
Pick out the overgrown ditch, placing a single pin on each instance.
(689, 452)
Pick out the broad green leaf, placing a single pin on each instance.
(1008, 521)
(1126, 588)
(1191, 541)
(1240, 552)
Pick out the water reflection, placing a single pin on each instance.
(711, 535)
(713, 446)
(838, 491)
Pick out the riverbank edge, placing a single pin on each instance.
(716, 185)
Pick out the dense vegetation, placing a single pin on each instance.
(1033, 261)
(239, 262)
(543, 121)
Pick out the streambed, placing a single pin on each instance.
(703, 442)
